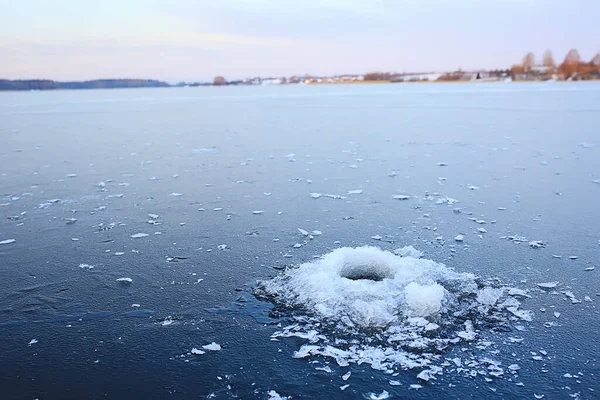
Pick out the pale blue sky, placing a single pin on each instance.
(195, 40)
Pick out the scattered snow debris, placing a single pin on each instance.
(273, 395)
(316, 195)
(548, 285)
(459, 238)
(401, 197)
(197, 352)
(381, 396)
(139, 235)
(446, 200)
(32, 341)
(303, 232)
(167, 321)
(355, 191)
(589, 268)
(222, 246)
(408, 251)
(88, 266)
(258, 212)
(175, 194)
(416, 386)
(346, 376)
(124, 280)
(7, 241)
(212, 347)
(537, 244)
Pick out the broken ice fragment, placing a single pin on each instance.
(537, 244)
(303, 232)
(548, 285)
(355, 191)
(258, 212)
(408, 251)
(32, 341)
(212, 347)
(459, 238)
(125, 280)
(197, 352)
(7, 241)
(401, 197)
(139, 235)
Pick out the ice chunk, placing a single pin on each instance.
(257, 212)
(381, 396)
(355, 191)
(7, 241)
(423, 300)
(124, 280)
(273, 395)
(32, 341)
(212, 347)
(408, 251)
(459, 238)
(401, 197)
(197, 352)
(303, 232)
(139, 235)
(316, 195)
(86, 266)
(537, 244)
(548, 285)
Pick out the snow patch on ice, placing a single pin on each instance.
(366, 305)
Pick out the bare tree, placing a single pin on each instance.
(596, 60)
(572, 63)
(548, 59)
(219, 80)
(528, 62)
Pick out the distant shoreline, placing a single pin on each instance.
(88, 85)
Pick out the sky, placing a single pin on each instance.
(195, 40)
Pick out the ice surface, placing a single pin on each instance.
(366, 305)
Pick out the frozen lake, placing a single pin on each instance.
(195, 194)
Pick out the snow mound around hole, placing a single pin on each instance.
(366, 305)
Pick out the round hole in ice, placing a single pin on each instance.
(371, 270)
